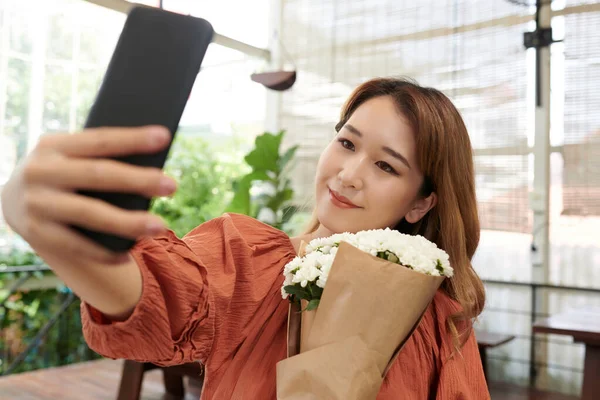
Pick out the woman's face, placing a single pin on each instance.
(367, 177)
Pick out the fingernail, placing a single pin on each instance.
(158, 135)
(167, 185)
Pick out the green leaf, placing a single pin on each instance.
(297, 291)
(265, 155)
(204, 170)
(287, 194)
(288, 213)
(312, 305)
(280, 199)
(439, 267)
(316, 291)
(287, 156)
(267, 165)
(257, 176)
(241, 199)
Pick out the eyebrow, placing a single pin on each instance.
(388, 150)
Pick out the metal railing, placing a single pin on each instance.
(533, 315)
(68, 300)
(39, 349)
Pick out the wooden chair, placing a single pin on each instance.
(133, 376)
(507, 391)
(489, 340)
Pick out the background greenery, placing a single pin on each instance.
(204, 177)
(213, 178)
(266, 191)
(25, 312)
(213, 174)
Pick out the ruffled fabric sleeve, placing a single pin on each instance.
(197, 291)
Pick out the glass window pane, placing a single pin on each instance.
(99, 30)
(60, 36)
(57, 98)
(247, 21)
(8, 157)
(21, 26)
(88, 82)
(17, 102)
(224, 100)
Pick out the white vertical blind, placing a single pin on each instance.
(581, 173)
(472, 50)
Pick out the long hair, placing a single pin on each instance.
(445, 157)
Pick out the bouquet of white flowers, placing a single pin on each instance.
(353, 306)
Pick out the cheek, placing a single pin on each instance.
(391, 201)
(325, 165)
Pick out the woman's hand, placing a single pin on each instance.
(40, 201)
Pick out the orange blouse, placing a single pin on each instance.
(215, 297)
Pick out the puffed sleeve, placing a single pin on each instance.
(197, 291)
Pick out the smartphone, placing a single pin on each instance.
(148, 82)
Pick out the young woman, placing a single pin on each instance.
(401, 158)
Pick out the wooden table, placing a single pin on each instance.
(584, 326)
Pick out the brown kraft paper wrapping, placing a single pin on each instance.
(330, 372)
(368, 310)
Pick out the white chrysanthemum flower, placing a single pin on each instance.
(306, 274)
(414, 252)
(289, 280)
(322, 280)
(292, 265)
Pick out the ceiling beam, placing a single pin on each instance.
(124, 6)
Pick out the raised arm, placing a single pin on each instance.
(41, 202)
(199, 294)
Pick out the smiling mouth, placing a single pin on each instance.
(340, 201)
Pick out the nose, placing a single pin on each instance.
(350, 175)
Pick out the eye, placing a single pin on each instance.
(386, 167)
(346, 144)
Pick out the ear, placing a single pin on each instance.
(421, 207)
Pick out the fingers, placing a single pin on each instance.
(44, 204)
(73, 209)
(73, 246)
(98, 175)
(108, 142)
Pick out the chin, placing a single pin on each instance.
(338, 221)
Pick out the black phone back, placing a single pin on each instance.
(148, 82)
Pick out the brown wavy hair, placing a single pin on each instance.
(445, 157)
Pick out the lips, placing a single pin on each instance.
(340, 201)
